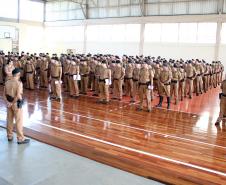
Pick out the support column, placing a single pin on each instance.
(18, 11)
(85, 39)
(141, 44)
(218, 41)
(44, 12)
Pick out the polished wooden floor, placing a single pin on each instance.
(178, 146)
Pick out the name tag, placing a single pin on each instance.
(77, 77)
(150, 87)
(58, 82)
(107, 81)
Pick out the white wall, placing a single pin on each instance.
(31, 36)
(222, 55)
(117, 48)
(61, 47)
(180, 50)
(6, 44)
(34, 38)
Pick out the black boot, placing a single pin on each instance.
(168, 102)
(160, 101)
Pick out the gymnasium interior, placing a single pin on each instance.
(126, 139)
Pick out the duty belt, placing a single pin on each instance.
(55, 77)
(142, 83)
(128, 78)
(72, 75)
(190, 78)
(85, 75)
(174, 81)
(147, 83)
(135, 80)
(155, 79)
(167, 83)
(30, 72)
(102, 80)
(182, 80)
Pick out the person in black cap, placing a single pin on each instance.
(118, 77)
(8, 69)
(164, 84)
(182, 82)
(129, 79)
(191, 75)
(1, 68)
(222, 114)
(30, 72)
(175, 82)
(104, 82)
(13, 96)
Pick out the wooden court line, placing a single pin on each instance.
(136, 103)
(135, 128)
(96, 97)
(138, 151)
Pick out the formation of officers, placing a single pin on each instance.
(110, 74)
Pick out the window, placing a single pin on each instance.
(132, 33)
(206, 32)
(93, 33)
(65, 34)
(169, 32)
(8, 9)
(188, 32)
(63, 10)
(114, 33)
(153, 32)
(31, 10)
(118, 33)
(223, 34)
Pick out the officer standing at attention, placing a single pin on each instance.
(84, 71)
(222, 115)
(73, 79)
(165, 77)
(129, 78)
(97, 77)
(145, 85)
(118, 77)
(30, 72)
(8, 69)
(13, 96)
(56, 75)
(181, 92)
(156, 76)
(191, 75)
(136, 74)
(104, 82)
(66, 67)
(175, 83)
(1, 68)
(44, 66)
